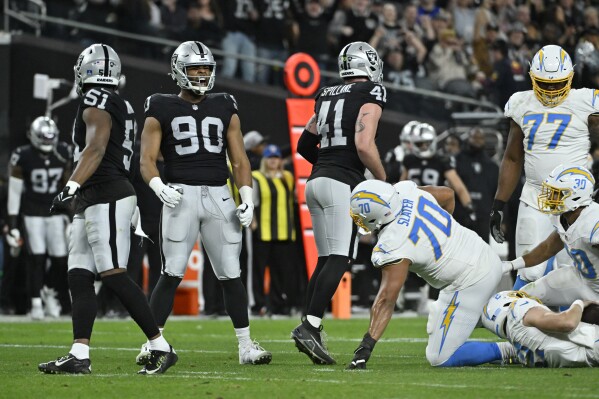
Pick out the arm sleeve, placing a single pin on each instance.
(307, 146)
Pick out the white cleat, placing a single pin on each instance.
(37, 312)
(51, 304)
(253, 353)
(144, 355)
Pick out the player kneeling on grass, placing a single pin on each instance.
(543, 338)
(417, 232)
(567, 195)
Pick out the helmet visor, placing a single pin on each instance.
(551, 92)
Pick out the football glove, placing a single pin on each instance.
(62, 202)
(245, 213)
(168, 194)
(497, 220)
(362, 353)
(13, 238)
(471, 212)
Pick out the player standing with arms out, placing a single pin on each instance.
(37, 171)
(345, 124)
(417, 233)
(194, 131)
(549, 125)
(105, 201)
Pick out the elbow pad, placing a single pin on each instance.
(307, 146)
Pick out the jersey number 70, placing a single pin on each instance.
(433, 223)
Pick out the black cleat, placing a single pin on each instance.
(159, 362)
(68, 364)
(310, 342)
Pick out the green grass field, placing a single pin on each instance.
(208, 365)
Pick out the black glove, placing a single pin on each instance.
(496, 220)
(62, 202)
(471, 212)
(362, 354)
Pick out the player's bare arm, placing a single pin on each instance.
(444, 196)
(458, 185)
(98, 124)
(404, 174)
(151, 136)
(551, 322)
(593, 122)
(307, 145)
(366, 126)
(240, 164)
(545, 250)
(393, 278)
(511, 164)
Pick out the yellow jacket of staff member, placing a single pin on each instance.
(273, 198)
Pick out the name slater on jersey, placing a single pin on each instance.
(406, 212)
(336, 90)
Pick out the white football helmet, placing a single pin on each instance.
(496, 310)
(193, 54)
(360, 59)
(98, 64)
(566, 189)
(43, 134)
(373, 204)
(405, 137)
(424, 140)
(551, 71)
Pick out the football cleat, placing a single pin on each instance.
(144, 355)
(159, 362)
(52, 306)
(68, 364)
(312, 344)
(254, 354)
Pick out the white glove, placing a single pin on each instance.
(13, 238)
(245, 213)
(169, 195)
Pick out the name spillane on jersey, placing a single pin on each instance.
(337, 109)
(117, 158)
(580, 240)
(441, 251)
(42, 176)
(428, 172)
(552, 136)
(194, 137)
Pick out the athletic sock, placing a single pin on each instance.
(314, 321)
(80, 351)
(159, 344)
(243, 336)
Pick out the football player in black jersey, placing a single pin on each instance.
(394, 157)
(427, 168)
(37, 171)
(105, 202)
(345, 124)
(194, 131)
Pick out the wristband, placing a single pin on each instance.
(368, 341)
(498, 205)
(518, 263)
(73, 186)
(246, 194)
(579, 303)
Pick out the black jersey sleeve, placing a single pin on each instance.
(373, 93)
(152, 106)
(231, 103)
(447, 163)
(16, 157)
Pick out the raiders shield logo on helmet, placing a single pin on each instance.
(372, 57)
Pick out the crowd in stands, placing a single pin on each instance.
(474, 48)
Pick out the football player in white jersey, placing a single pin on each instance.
(417, 233)
(567, 196)
(541, 337)
(549, 125)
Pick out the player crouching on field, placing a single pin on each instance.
(416, 232)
